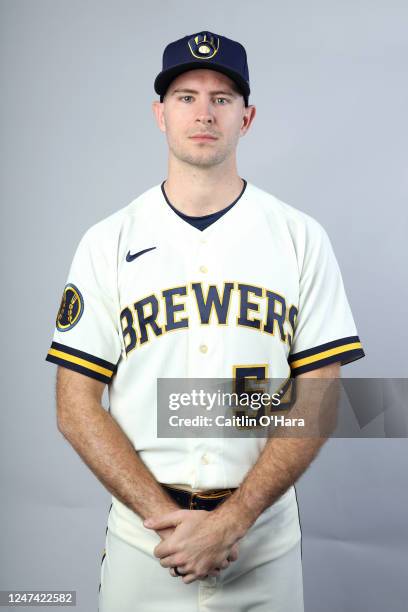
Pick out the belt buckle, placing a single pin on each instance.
(193, 504)
(204, 495)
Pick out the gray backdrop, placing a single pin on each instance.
(79, 142)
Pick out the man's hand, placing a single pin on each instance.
(200, 545)
(165, 533)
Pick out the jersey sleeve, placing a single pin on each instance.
(324, 330)
(86, 336)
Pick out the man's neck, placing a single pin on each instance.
(197, 192)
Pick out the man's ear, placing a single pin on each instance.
(158, 110)
(249, 116)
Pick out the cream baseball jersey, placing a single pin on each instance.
(150, 296)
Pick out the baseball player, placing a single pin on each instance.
(204, 275)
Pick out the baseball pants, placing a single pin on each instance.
(132, 580)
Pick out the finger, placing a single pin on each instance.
(224, 564)
(233, 556)
(165, 533)
(164, 549)
(171, 519)
(189, 578)
(172, 571)
(170, 561)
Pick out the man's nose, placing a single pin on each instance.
(205, 112)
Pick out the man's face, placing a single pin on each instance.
(203, 115)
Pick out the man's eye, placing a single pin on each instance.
(221, 101)
(186, 98)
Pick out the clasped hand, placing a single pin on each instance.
(199, 544)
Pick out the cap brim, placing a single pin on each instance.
(165, 77)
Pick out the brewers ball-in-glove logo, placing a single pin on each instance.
(71, 309)
(204, 46)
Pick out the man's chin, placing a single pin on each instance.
(202, 161)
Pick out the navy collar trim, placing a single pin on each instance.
(203, 217)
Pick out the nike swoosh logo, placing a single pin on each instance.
(130, 257)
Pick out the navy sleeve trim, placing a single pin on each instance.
(81, 362)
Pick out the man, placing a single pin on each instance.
(203, 276)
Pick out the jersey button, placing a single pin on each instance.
(203, 269)
(203, 348)
(205, 459)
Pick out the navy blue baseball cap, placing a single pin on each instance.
(204, 50)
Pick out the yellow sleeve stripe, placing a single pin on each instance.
(82, 362)
(324, 354)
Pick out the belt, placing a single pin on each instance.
(201, 500)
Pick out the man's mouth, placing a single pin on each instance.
(203, 137)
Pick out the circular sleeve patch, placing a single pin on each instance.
(71, 308)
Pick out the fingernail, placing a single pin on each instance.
(147, 523)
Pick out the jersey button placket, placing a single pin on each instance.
(203, 257)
